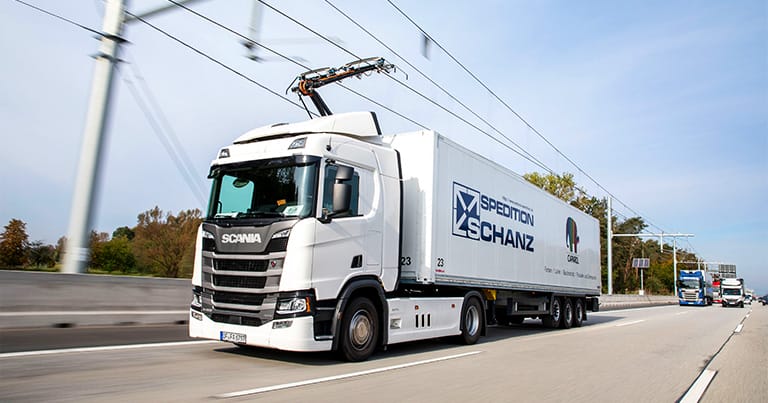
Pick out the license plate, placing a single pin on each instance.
(232, 337)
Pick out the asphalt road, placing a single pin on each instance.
(651, 354)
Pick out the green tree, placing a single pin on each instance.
(13, 244)
(116, 255)
(126, 232)
(165, 242)
(40, 255)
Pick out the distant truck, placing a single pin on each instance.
(732, 291)
(695, 287)
(326, 235)
(716, 298)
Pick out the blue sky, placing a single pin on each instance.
(664, 103)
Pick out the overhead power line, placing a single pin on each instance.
(446, 92)
(426, 98)
(216, 61)
(292, 60)
(59, 17)
(506, 105)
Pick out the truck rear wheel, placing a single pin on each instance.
(359, 330)
(579, 313)
(567, 321)
(471, 321)
(553, 320)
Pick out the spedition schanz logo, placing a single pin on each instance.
(468, 205)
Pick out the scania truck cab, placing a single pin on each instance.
(695, 287)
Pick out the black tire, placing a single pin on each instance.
(553, 320)
(579, 313)
(359, 330)
(471, 321)
(567, 321)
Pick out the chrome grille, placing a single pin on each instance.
(240, 290)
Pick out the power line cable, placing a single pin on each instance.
(59, 17)
(530, 126)
(353, 55)
(402, 84)
(216, 61)
(446, 92)
(289, 59)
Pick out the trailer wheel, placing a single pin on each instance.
(553, 320)
(579, 313)
(471, 321)
(359, 330)
(567, 321)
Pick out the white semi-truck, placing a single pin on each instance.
(326, 235)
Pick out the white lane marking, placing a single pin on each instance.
(64, 313)
(697, 390)
(103, 348)
(738, 328)
(339, 377)
(630, 323)
(608, 312)
(682, 313)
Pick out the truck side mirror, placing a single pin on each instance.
(342, 192)
(342, 197)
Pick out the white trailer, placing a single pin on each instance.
(326, 235)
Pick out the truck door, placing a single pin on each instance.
(350, 244)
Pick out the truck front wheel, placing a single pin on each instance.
(359, 330)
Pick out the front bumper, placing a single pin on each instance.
(298, 336)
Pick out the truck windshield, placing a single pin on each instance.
(689, 283)
(275, 188)
(731, 291)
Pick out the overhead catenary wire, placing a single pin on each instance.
(294, 61)
(426, 98)
(520, 117)
(216, 61)
(59, 17)
(441, 88)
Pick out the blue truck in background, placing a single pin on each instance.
(694, 287)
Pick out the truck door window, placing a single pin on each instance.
(330, 175)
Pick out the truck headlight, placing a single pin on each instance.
(293, 305)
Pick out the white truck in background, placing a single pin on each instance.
(732, 291)
(326, 235)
